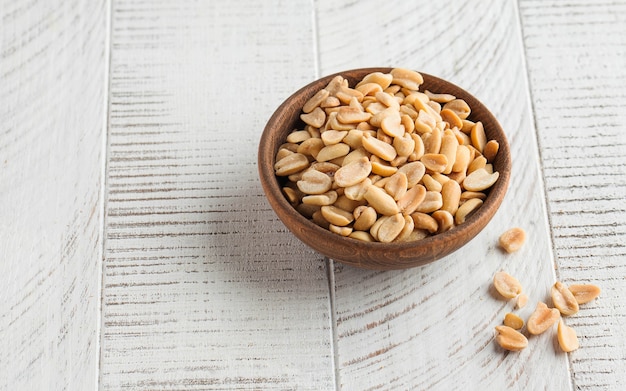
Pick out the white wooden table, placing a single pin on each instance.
(137, 250)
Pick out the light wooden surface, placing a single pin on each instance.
(137, 250)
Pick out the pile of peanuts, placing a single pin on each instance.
(566, 301)
(385, 162)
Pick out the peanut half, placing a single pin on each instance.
(510, 339)
(563, 299)
(568, 341)
(542, 319)
(512, 240)
(584, 293)
(506, 285)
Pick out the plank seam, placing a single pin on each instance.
(330, 269)
(104, 183)
(543, 183)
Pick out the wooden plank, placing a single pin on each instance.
(433, 327)
(576, 56)
(203, 287)
(52, 111)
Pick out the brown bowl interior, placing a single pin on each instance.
(378, 256)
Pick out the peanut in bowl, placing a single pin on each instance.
(384, 168)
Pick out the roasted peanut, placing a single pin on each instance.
(513, 321)
(381, 201)
(568, 340)
(506, 285)
(512, 239)
(542, 319)
(510, 339)
(353, 173)
(563, 299)
(584, 293)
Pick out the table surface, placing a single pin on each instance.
(137, 250)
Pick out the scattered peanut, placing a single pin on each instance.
(512, 240)
(542, 319)
(568, 341)
(384, 161)
(584, 293)
(510, 339)
(513, 321)
(563, 299)
(506, 285)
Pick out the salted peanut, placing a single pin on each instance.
(409, 202)
(369, 88)
(335, 84)
(314, 182)
(409, 111)
(327, 198)
(284, 152)
(353, 173)
(451, 118)
(451, 196)
(319, 220)
(466, 209)
(330, 101)
(352, 115)
(397, 185)
(431, 184)
(467, 126)
(345, 94)
(292, 195)
(357, 192)
(374, 108)
(432, 202)
(378, 148)
(381, 201)
(315, 118)
(355, 155)
(390, 228)
(399, 161)
(332, 137)
(382, 79)
(512, 239)
(506, 285)
(331, 152)
(414, 172)
(440, 98)
(542, 319)
(327, 168)
(311, 147)
(362, 236)
(298, 136)
(432, 141)
(425, 122)
(407, 122)
(392, 125)
(382, 136)
(436, 107)
(376, 226)
(404, 145)
(347, 204)
(425, 222)
(381, 167)
(407, 78)
(364, 217)
(563, 299)
(459, 107)
(458, 177)
(461, 137)
(489, 168)
(584, 293)
(510, 339)
(445, 220)
(480, 180)
(388, 100)
(315, 100)
(407, 230)
(476, 164)
(568, 340)
(491, 150)
(521, 300)
(462, 159)
(513, 321)
(449, 145)
(419, 147)
(478, 136)
(335, 124)
(354, 138)
(467, 195)
(337, 216)
(291, 164)
(342, 231)
(435, 162)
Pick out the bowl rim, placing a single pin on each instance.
(473, 225)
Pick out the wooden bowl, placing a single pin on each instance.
(376, 255)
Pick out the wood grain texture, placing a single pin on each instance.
(52, 122)
(203, 287)
(427, 328)
(576, 53)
